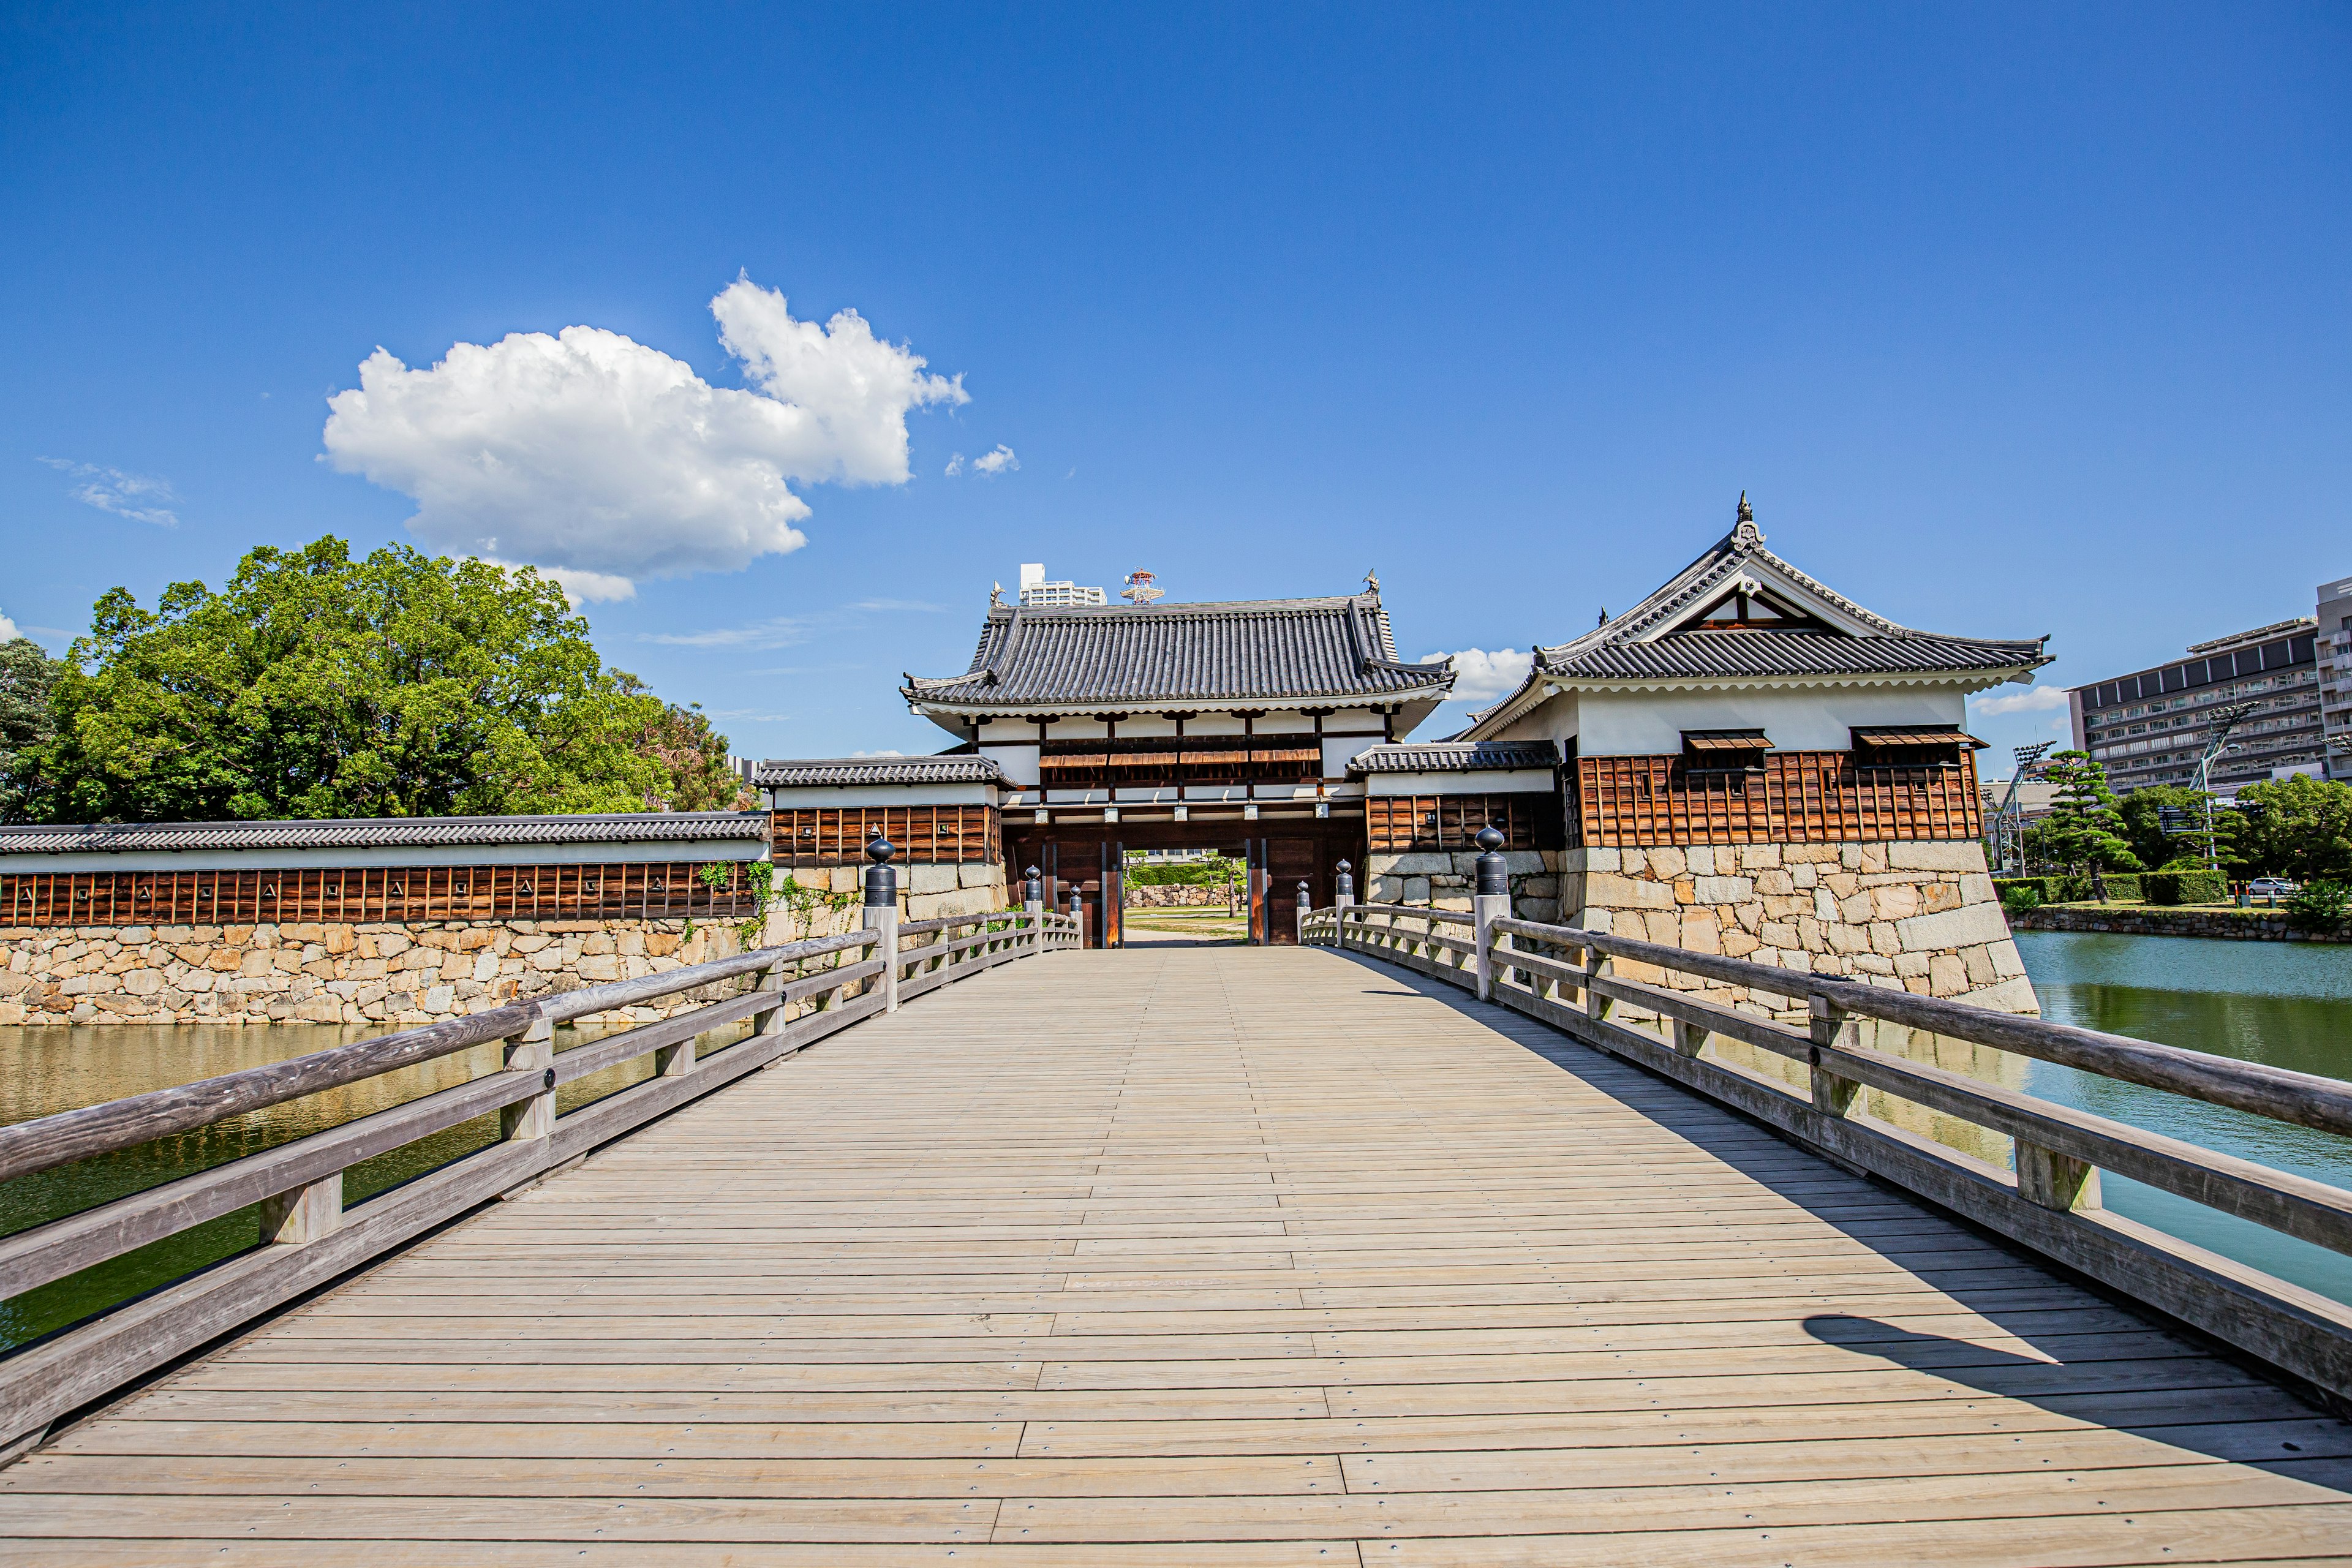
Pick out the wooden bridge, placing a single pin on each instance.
(1213, 1255)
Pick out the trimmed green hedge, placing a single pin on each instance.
(2121, 885)
(2185, 887)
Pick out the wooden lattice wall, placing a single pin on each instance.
(367, 895)
(1796, 797)
(923, 835)
(1404, 824)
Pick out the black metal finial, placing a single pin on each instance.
(881, 881)
(1494, 873)
(1343, 885)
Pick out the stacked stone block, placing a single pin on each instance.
(1444, 879)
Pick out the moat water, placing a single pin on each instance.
(2287, 1005)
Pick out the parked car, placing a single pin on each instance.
(2272, 888)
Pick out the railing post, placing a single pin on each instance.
(1491, 899)
(882, 916)
(534, 1050)
(309, 1211)
(1305, 902)
(2055, 1181)
(1596, 964)
(1832, 1028)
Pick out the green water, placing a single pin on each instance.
(50, 1068)
(2286, 1003)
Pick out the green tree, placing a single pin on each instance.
(2299, 826)
(313, 685)
(2084, 829)
(693, 760)
(2143, 827)
(28, 682)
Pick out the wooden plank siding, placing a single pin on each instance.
(923, 835)
(1796, 797)
(1398, 824)
(1212, 1256)
(371, 894)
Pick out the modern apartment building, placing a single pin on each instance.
(2336, 675)
(1035, 590)
(2151, 726)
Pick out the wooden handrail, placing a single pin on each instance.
(2050, 1200)
(299, 1182)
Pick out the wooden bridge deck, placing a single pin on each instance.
(1205, 1256)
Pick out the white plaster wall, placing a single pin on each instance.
(1650, 723)
(887, 794)
(1019, 762)
(1487, 781)
(1552, 719)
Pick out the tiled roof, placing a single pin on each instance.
(395, 832)
(804, 772)
(1453, 756)
(1246, 651)
(1760, 653)
(1835, 637)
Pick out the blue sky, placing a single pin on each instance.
(2009, 320)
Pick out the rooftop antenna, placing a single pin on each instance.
(1139, 590)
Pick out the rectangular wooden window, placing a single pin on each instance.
(362, 895)
(1795, 797)
(1166, 761)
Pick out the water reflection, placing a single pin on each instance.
(50, 1068)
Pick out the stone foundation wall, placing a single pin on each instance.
(2232, 925)
(1921, 916)
(394, 975)
(399, 974)
(1446, 879)
(1174, 895)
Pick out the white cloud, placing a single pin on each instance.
(597, 457)
(783, 631)
(8, 632)
(955, 466)
(2033, 699)
(111, 490)
(593, 587)
(877, 753)
(1000, 461)
(1481, 677)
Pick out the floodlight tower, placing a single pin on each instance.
(1141, 589)
(2006, 827)
(2217, 746)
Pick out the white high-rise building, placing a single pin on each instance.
(1035, 590)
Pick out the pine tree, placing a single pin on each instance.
(2084, 828)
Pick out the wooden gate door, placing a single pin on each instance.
(1288, 862)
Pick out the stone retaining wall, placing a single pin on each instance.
(2230, 924)
(411, 973)
(327, 974)
(1174, 895)
(1445, 880)
(1921, 916)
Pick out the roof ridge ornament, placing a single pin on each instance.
(1373, 581)
(1744, 530)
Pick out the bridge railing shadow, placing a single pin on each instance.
(2165, 1383)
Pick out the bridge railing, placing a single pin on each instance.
(2048, 1199)
(309, 1236)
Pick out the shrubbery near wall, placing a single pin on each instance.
(2185, 887)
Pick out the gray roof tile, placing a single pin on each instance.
(1754, 653)
(368, 833)
(1244, 651)
(805, 773)
(1453, 756)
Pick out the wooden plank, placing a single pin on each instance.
(1196, 1253)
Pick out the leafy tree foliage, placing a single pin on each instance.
(28, 682)
(2186, 846)
(2299, 827)
(313, 685)
(693, 760)
(2084, 828)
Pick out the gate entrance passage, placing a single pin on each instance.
(1277, 855)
